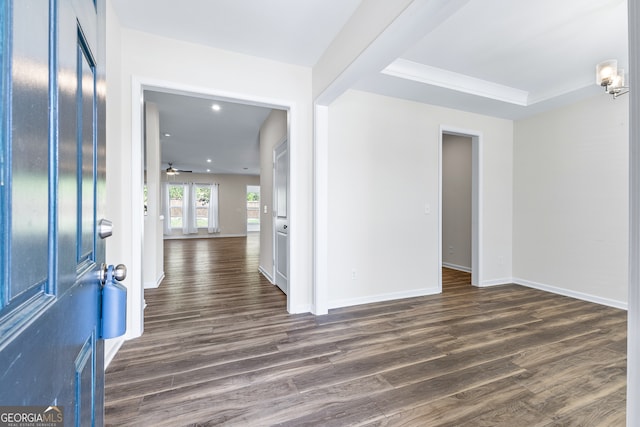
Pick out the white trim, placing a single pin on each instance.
(440, 147)
(156, 284)
(410, 70)
(439, 77)
(476, 202)
(199, 236)
(477, 208)
(569, 293)
(302, 308)
(321, 215)
(383, 297)
(266, 274)
(456, 267)
(111, 348)
(633, 317)
(495, 282)
(135, 288)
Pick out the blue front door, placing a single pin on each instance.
(52, 169)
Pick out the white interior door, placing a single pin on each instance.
(281, 215)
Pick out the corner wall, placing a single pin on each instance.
(571, 200)
(383, 171)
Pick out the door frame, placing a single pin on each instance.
(476, 200)
(135, 303)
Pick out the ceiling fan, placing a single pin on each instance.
(173, 171)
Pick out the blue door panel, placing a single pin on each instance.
(84, 385)
(52, 138)
(29, 160)
(35, 370)
(86, 153)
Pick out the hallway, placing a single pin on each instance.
(219, 348)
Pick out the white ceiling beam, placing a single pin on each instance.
(377, 33)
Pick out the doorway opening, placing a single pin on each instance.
(140, 159)
(456, 211)
(460, 197)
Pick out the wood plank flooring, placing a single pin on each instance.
(220, 349)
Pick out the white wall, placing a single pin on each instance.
(272, 132)
(383, 170)
(571, 200)
(232, 198)
(456, 202)
(156, 62)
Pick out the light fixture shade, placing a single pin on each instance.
(618, 80)
(606, 72)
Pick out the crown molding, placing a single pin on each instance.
(410, 70)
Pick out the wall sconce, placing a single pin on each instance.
(610, 78)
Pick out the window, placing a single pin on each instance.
(203, 196)
(253, 208)
(190, 207)
(176, 194)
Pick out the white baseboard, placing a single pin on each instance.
(111, 347)
(200, 236)
(383, 297)
(266, 274)
(573, 294)
(456, 267)
(156, 284)
(495, 282)
(304, 308)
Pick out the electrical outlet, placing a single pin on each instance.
(354, 274)
(450, 250)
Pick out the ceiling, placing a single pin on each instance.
(192, 133)
(509, 59)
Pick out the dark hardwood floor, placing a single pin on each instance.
(219, 348)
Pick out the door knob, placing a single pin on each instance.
(108, 273)
(120, 272)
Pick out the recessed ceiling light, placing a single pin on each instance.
(215, 107)
(167, 134)
(245, 168)
(208, 160)
(208, 170)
